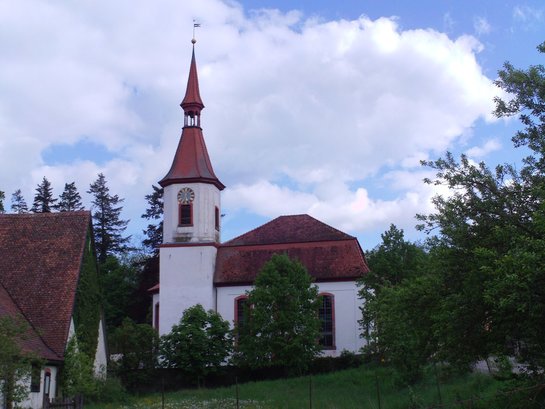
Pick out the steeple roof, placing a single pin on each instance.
(191, 162)
(192, 100)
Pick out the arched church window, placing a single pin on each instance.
(241, 303)
(326, 313)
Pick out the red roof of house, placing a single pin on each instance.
(40, 260)
(30, 341)
(327, 253)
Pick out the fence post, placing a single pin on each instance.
(378, 391)
(163, 390)
(437, 383)
(310, 391)
(236, 391)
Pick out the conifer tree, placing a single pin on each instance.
(154, 232)
(18, 203)
(107, 223)
(43, 200)
(70, 199)
(2, 197)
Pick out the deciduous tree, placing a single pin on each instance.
(199, 344)
(282, 326)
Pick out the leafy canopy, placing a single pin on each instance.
(282, 326)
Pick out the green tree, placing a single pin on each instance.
(282, 327)
(154, 212)
(107, 223)
(15, 365)
(490, 239)
(18, 203)
(118, 284)
(199, 344)
(43, 199)
(399, 297)
(70, 199)
(138, 346)
(77, 376)
(2, 197)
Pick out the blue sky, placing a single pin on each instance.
(312, 107)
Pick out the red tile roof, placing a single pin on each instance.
(191, 162)
(40, 260)
(327, 253)
(192, 100)
(30, 342)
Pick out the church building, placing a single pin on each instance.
(196, 268)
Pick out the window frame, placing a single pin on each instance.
(333, 326)
(180, 207)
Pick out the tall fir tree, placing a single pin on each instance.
(2, 197)
(70, 199)
(107, 223)
(43, 199)
(18, 203)
(154, 232)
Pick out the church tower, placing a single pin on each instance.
(191, 224)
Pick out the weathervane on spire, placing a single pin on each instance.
(195, 25)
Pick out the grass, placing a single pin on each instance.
(353, 388)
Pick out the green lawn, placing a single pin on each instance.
(354, 388)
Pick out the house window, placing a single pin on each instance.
(156, 317)
(35, 378)
(326, 313)
(186, 214)
(217, 218)
(240, 306)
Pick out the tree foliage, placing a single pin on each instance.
(43, 199)
(18, 203)
(107, 223)
(199, 344)
(15, 364)
(397, 294)
(70, 199)
(490, 239)
(282, 326)
(2, 198)
(137, 345)
(77, 376)
(154, 212)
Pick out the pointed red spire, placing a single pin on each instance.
(192, 102)
(191, 162)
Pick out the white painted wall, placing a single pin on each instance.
(35, 399)
(101, 359)
(186, 277)
(207, 198)
(347, 312)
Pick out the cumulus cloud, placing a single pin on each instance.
(489, 146)
(295, 107)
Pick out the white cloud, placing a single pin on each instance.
(491, 145)
(295, 102)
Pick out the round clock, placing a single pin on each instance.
(186, 195)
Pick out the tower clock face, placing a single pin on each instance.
(186, 195)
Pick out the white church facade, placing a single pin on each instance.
(196, 268)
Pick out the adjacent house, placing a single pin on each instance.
(48, 280)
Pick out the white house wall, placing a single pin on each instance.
(346, 309)
(35, 399)
(186, 277)
(101, 359)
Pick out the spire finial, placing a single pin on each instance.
(195, 25)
